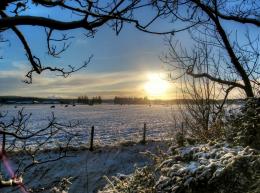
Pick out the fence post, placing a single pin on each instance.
(181, 137)
(144, 134)
(3, 143)
(182, 129)
(91, 139)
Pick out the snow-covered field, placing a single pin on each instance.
(113, 123)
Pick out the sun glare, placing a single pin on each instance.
(156, 87)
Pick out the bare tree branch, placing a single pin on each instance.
(235, 84)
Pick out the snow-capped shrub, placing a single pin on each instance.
(62, 186)
(141, 181)
(213, 167)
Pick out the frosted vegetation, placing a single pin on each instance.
(229, 164)
(213, 167)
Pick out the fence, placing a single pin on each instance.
(91, 145)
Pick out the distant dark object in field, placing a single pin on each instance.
(53, 106)
(73, 105)
(66, 105)
(15, 106)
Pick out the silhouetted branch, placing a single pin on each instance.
(52, 49)
(61, 71)
(205, 75)
(31, 142)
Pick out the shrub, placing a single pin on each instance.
(243, 128)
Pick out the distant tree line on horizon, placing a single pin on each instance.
(131, 100)
(99, 100)
(147, 101)
(87, 101)
(34, 100)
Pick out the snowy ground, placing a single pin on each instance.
(113, 123)
(88, 168)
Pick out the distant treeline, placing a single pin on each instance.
(146, 101)
(92, 101)
(131, 100)
(33, 100)
(98, 100)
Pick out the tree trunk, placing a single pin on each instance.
(247, 84)
(239, 68)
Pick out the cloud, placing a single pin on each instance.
(21, 66)
(105, 84)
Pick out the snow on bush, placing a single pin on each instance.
(212, 167)
(209, 168)
(62, 187)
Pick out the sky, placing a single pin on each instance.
(121, 64)
(126, 65)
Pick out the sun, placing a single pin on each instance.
(156, 87)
